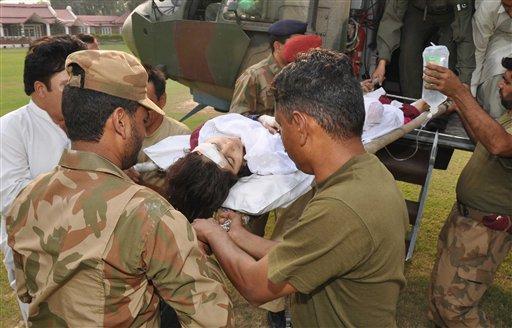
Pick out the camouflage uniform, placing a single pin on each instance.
(473, 243)
(252, 93)
(92, 248)
(468, 255)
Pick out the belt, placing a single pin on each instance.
(443, 10)
(492, 221)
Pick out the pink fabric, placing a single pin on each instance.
(410, 112)
(194, 137)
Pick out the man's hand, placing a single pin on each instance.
(235, 217)
(442, 79)
(367, 85)
(206, 227)
(378, 75)
(270, 123)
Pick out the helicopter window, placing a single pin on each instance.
(211, 12)
(167, 7)
(203, 10)
(268, 11)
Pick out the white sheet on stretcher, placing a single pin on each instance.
(277, 181)
(392, 116)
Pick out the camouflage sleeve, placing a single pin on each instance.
(21, 283)
(245, 96)
(389, 32)
(183, 276)
(463, 37)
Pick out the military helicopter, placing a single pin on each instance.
(207, 44)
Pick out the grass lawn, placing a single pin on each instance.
(413, 301)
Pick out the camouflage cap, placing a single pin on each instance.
(116, 73)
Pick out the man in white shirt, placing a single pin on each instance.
(33, 137)
(492, 34)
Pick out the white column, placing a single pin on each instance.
(22, 29)
(48, 32)
(1, 30)
(88, 30)
(66, 29)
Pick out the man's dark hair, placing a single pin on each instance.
(280, 39)
(506, 62)
(86, 111)
(320, 83)
(197, 187)
(156, 77)
(87, 38)
(45, 57)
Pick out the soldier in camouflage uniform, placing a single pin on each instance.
(477, 236)
(252, 95)
(91, 247)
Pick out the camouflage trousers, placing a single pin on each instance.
(468, 255)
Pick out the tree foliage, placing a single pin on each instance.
(97, 7)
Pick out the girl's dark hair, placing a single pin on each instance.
(197, 187)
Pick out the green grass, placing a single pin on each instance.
(413, 301)
(12, 95)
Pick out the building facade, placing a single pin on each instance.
(31, 21)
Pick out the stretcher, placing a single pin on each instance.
(410, 154)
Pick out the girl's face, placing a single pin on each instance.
(232, 149)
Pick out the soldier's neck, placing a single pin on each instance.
(99, 149)
(279, 60)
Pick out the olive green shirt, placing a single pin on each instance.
(169, 127)
(253, 94)
(346, 254)
(486, 181)
(391, 24)
(92, 248)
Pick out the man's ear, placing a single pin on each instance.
(40, 89)
(277, 46)
(120, 122)
(162, 101)
(300, 121)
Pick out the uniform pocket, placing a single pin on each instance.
(470, 241)
(475, 275)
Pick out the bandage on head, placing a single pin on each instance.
(210, 151)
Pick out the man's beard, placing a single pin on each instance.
(133, 148)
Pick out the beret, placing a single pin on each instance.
(287, 27)
(300, 43)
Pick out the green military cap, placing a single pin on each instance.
(116, 73)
